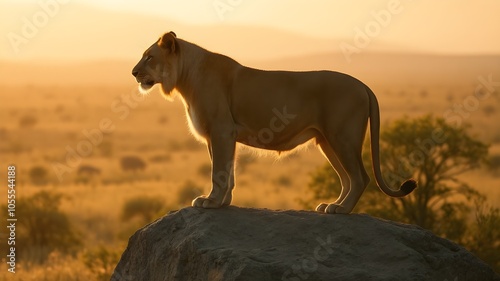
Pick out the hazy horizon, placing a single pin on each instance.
(56, 31)
(98, 159)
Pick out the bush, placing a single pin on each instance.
(132, 163)
(143, 207)
(435, 153)
(159, 158)
(38, 175)
(484, 239)
(442, 202)
(27, 121)
(283, 180)
(101, 261)
(43, 228)
(494, 163)
(87, 174)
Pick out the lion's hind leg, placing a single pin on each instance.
(329, 153)
(348, 154)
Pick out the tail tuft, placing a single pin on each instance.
(408, 186)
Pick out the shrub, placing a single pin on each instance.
(283, 181)
(38, 175)
(27, 121)
(101, 261)
(132, 163)
(143, 207)
(494, 162)
(87, 174)
(160, 158)
(43, 228)
(484, 239)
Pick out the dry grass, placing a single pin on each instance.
(156, 131)
(57, 268)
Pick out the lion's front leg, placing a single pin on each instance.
(222, 150)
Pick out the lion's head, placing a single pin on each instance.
(159, 64)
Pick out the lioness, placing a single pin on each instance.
(227, 103)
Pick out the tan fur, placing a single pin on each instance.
(273, 110)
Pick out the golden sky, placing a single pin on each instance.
(444, 26)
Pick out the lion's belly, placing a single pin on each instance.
(279, 140)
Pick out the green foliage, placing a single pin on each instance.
(43, 228)
(435, 154)
(484, 238)
(188, 192)
(143, 207)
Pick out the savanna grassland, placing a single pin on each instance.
(44, 125)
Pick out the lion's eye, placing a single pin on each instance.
(148, 58)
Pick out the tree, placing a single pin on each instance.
(43, 227)
(143, 207)
(435, 154)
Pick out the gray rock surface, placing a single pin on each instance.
(257, 244)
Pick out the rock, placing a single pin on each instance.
(255, 244)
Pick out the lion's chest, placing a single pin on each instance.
(197, 127)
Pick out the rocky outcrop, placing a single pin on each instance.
(255, 244)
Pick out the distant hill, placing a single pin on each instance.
(83, 45)
(372, 68)
(397, 68)
(80, 32)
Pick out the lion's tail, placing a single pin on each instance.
(409, 185)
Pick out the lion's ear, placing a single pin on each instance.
(168, 41)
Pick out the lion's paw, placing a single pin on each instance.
(336, 209)
(321, 207)
(205, 202)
